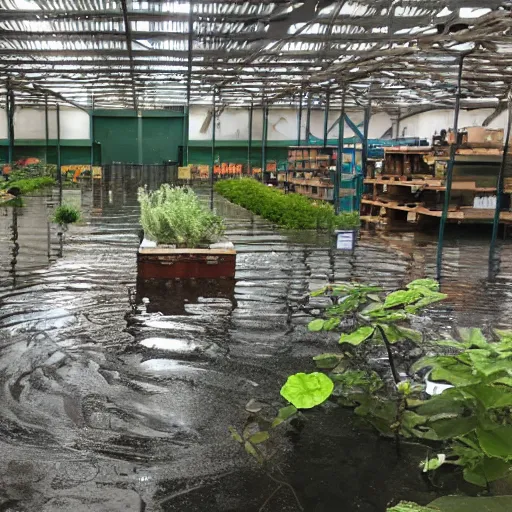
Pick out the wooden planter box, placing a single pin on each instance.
(162, 263)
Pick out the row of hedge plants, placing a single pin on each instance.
(291, 211)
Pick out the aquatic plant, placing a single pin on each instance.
(469, 416)
(174, 215)
(66, 214)
(292, 211)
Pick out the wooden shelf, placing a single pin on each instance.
(421, 183)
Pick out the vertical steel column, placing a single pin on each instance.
(186, 117)
(308, 118)
(214, 122)
(366, 127)
(339, 156)
(449, 171)
(140, 158)
(249, 143)
(46, 128)
(299, 119)
(326, 116)
(499, 185)
(59, 171)
(264, 142)
(10, 122)
(91, 135)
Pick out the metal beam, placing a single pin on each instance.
(128, 37)
(46, 128)
(299, 119)
(264, 143)
(186, 117)
(214, 122)
(59, 169)
(326, 116)
(308, 118)
(339, 156)
(249, 140)
(10, 106)
(449, 172)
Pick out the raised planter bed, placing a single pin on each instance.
(163, 263)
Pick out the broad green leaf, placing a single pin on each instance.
(235, 435)
(487, 470)
(369, 381)
(448, 402)
(316, 325)
(425, 301)
(402, 298)
(504, 335)
(407, 506)
(430, 284)
(496, 443)
(453, 427)
(259, 437)
(305, 391)
(318, 293)
(491, 397)
(327, 361)
(450, 369)
(468, 504)
(285, 413)
(375, 298)
(382, 315)
(473, 337)
(358, 336)
(331, 324)
(249, 448)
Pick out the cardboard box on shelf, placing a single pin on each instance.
(480, 135)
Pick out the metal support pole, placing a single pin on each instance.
(326, 117)
(59, 172)
(264, 143)
(299, 119)
(308, 119)
(366, 127)
(10, 122)
(339, 156)
(186, 117)
(91, 136)
(214, 122)
(499, 184)
(46, 128)
(249, 144)
(449, 171)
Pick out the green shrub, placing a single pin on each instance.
(174, 215)
(66, 214)
(28, 185)
(289, 210)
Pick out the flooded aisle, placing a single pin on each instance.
(107, 405)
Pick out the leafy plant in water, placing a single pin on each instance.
(174, 215)
(66, 214)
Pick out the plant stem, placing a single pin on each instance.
(286, 484)
(277, 489)
(396, 377)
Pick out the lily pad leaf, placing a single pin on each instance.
(331, 324)
(473, 337)
(305, 391)
(407, 506)
(358, 336)
(316, 325)
(430, 284)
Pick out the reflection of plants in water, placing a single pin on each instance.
(470, 418)
(459, 504)
(16, 246)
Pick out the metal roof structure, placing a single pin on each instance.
(159, 54)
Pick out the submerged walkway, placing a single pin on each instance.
(105, 407)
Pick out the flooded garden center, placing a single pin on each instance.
(255, 256)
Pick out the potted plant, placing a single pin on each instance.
(182, 239)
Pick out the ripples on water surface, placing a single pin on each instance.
(108, 409)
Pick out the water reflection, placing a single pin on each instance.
(105, 404)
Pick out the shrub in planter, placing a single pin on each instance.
(289, 210)
(66, 214)
(175, 216)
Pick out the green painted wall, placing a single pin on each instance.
(148, 140)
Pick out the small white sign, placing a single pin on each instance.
(345, 240)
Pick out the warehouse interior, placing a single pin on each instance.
(326, 324)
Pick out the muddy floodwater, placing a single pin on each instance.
(107, 405)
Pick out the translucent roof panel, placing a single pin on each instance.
(160, 54)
